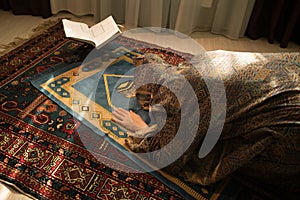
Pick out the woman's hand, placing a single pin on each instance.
(128, 119)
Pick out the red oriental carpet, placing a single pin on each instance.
(41, 151)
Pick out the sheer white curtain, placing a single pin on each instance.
(226, 17)
(77, 7)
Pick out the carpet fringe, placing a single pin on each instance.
(18, 41)
(13, 186)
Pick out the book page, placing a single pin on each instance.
(77, 30)
(104, 30)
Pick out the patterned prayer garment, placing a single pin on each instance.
(260, 138)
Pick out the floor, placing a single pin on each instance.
(15, 28)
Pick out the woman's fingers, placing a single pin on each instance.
(120, 112)
(137, 120)
(121, 116)
(128, 119)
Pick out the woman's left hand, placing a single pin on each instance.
(128, 119)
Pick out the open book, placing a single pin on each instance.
(97, 34)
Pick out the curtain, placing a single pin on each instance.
(31, 7)
(27, 7)
(77, 7)
(278, 20)
(226, 17)
(4, 5)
